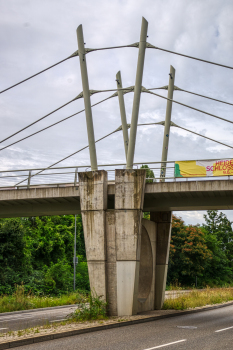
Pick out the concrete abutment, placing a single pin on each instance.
(127, 258)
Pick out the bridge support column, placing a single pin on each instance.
(129, 198)
(163, 221)
(93, 200)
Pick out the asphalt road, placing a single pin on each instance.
(17, 321)
(207, 330)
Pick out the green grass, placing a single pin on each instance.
(198, 298)
(25, 301)
(95, 310)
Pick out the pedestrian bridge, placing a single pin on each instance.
(159, 196)
(127, 255)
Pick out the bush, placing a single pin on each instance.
(96, 309)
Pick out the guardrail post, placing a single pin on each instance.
(137, 94)
(86, 97)
(123, 113)
(167, 122)
(29, 178)
(75, 176)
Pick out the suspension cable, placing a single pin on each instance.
(210, 98)
(208, 138)
(193, 132)
(44, 70)
(36, 121)
(176, 88)
(113, 132)
(60, 121)
(67, 157)
(182, 104)
(149, 46)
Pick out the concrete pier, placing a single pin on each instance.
(129, 198)
(93, 202)
(127, 255)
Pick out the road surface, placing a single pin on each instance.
(22, 320)
(17, 321)
(207, 330)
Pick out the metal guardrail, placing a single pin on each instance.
(68, 176)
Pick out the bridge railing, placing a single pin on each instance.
(68, 176)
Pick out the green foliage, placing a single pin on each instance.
(189, 255)
(219, 239)
(96, 309)
(205, 252)
(38, 251)
(149, 173)
(22, 300)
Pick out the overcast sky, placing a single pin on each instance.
(35, 34)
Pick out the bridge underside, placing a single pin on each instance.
(167, 196)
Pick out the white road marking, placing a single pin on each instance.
(224, 329)
(1, 329)
(62, 319)
(161, 346)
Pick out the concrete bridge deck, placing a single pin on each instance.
(159, 196)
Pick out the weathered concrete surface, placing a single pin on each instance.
(129, 195)
(39, 201)
(189, 195)
(146, 291)
(111, 263)
(165, 196)
(163, 221)
(93, 199)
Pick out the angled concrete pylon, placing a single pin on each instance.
(129, 198)
(163, 221)
(93, 200)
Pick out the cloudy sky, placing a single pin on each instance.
(35, 34)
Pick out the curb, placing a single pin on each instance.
(42, 338)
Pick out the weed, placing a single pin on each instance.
(95, 310)
(20, 300)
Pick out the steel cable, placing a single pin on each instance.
(182, 104)
(47, 127)
(34, 75)
(61, 160)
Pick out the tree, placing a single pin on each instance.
(219, 239)
(149, 173)
(38, 251)
(189, 254)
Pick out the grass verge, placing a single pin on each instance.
(198, 298)
(25, 301)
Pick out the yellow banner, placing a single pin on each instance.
(195, 168)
